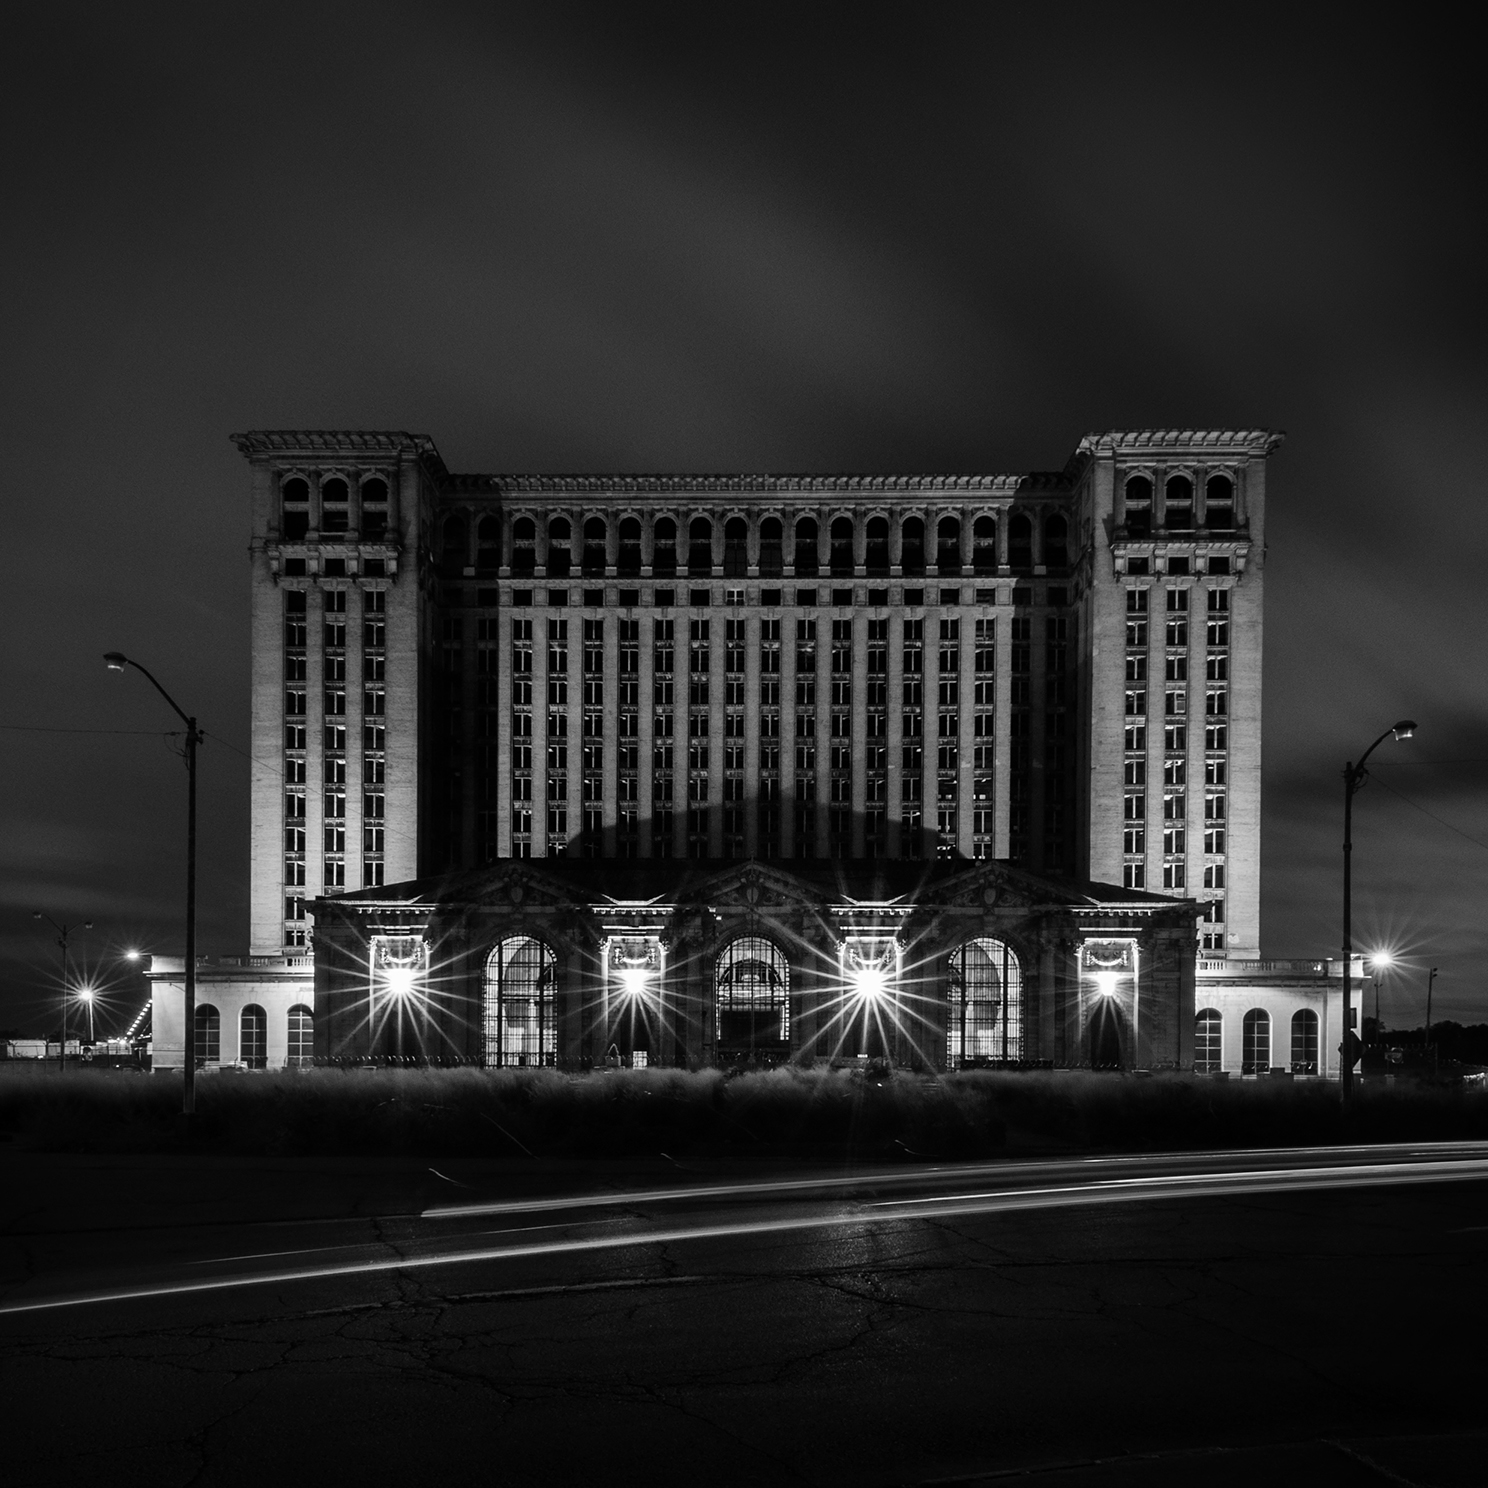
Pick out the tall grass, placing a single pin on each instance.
(546, 1114)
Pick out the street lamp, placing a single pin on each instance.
(63, 931)
(1353, 778)
(1382, 961)
(116, 661)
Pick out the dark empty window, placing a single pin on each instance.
(208, 1035)
(876, 554)
(560, 553)
(984, 545)
(455, 546)
(1219, 503)
(664, 548)
(770, 556)
(700, 546)
(1056, 542)
(1178, 503)
(594, 548)
(842, 548)
(335, 505)
(524, 545)
(735, 548)
(488, 545)
(948, 546)
(295, 523)
(807, 557)
(912, 548)
(629, 564)
(374, 509)
(1304, 1042)
(1020, 543)
(1138, 506)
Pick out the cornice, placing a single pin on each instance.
(1002, 486)
(334, 442)
(1254, 442)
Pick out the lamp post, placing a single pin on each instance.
(1353, 778)
(1382, 961)
(63, 931)
(116, 661)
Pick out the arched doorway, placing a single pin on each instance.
(520, 1019)
(1106, 1034)
(752, 996)
(985, 1023)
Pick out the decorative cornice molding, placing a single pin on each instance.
(334, 442)
(998, 486)
(1212, 442)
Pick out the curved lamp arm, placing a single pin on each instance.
(116, 661)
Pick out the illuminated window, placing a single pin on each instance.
(208, 1035)
(301, 1037)
(752, 985)
(986, 1005)
(520, 1017)
(1208, 1042)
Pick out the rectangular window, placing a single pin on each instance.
(1134, 875)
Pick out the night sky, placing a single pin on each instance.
(557, 238)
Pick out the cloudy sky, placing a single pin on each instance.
(926, 238)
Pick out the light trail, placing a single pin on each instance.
(1109, 1191)
(1432, 1151)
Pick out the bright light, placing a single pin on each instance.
(633, 980)
(870, 982)
(131, 955)
(1382, 960)
(399, 980)
(1105, 982)
(86, 993)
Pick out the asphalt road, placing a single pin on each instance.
(1315, 1316)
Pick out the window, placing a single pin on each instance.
(984, 546)
(1255, 1050)
(560, 554)
(700, 546)
(948, 545)
(520, 1023)
(1138, 505)
(301, 1046)
(735, 550)
(1304, 1042)
(842, 547)
(1178, 504)
(1208, 1042)
(912, 548)
(208, 1035)
(752, 987)
(1056, 543)
(986, 1005)
(876, 551)
(807, 559)
(1219, 503)
(253, 1037)
(1020, 543)
(664, 548)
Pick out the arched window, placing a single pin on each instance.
(335, 505)
(948, 545)
(524, 545)
(455, 546)
(488, 545)
(1020, 542)
(1219, 503)
(560, 549)
(1304, 1042)
(1178, 503)
(1056, 542)
(1255, 1042)
(301, 1052)
(664, 548)
(876, 548)
(735, 548)
(208, 1034)
(1208, 1042)
(295, 520)
(770, 554)
(595, 536)
(842, 548)
(807, 560)
(752, 986)
(520, 1018)
(374, 509)
(628, 565)
(984, 545)
(253, 1037)
(912, 548)
(700, 547)
(1138, 494)
(986, 1005)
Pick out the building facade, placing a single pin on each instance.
(972, 761)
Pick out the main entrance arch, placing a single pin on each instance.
(520, 1019)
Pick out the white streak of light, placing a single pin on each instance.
(1116, 1191)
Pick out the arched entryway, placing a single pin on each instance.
(985, 1021)
(520, 1017)
(752, 998)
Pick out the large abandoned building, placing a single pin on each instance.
(721, 767)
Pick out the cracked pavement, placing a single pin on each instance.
(1325, 1335)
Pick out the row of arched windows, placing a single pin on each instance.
(751, 987)
(1255, 1042)
(1181, 511)
(596, 545)
(335, 515)
(253, 1036)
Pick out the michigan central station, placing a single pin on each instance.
(946, 770)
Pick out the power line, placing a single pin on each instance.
(34, 728)
(1434, 817)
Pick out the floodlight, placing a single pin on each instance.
(1105, 982)
(399, 980)
(1382, 959)
(870, 982)
(633, 980)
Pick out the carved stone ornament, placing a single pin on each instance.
(1107, 955)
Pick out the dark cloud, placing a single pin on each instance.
(632, 237)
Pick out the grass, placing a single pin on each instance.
(508, 1113)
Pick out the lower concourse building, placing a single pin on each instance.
(970, 741)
